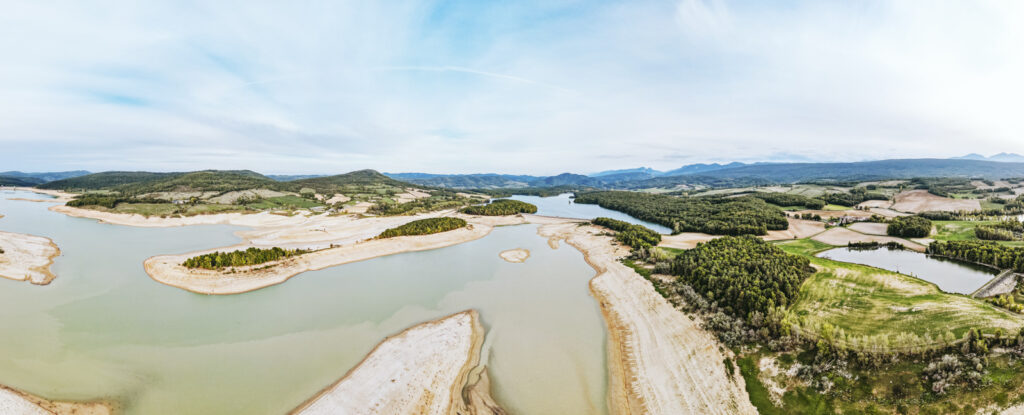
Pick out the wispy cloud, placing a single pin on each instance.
(534, 87)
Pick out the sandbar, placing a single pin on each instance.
(517, 255)
(27, 257)
(426, 369)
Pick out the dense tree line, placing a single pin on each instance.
(854, 197)
(250, 256)
(501, 207)
(988, 253)
(640, 238)
(909, 227)
(789, 199)
(108, 200)
(743, 274)
(1009, 230)
(424, 227)
(713, 215)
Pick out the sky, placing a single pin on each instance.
(530, 87)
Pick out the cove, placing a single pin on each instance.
(104, 329)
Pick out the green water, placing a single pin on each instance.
(104, 329)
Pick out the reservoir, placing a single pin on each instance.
(104, 329)
(563, 206)
(949, 275)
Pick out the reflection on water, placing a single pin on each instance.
(951, 276)
(103, 328)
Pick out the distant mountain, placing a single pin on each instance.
(702, 168)
(567, 179)
(19, 181)
(363, 178)
(1007, 158)
(104, 180)
(465, 181)
(291, 177)
(640, 170)
(1001, 157)
(872, 170)
(44, 177)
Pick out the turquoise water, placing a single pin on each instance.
(104, 329)
(563, 206)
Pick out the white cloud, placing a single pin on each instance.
(533, 88)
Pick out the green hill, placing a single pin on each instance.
(202, 181)
(346, 182)
(106, 180)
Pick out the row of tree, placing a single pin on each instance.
(638, 237)
(250, 256)
(714, 215)
(982, 252)
(909, 227)
(424, 227)
(1009, 230)
(789, 199)
(743, 274)
(501, 207)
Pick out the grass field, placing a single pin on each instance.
(870, 302)
(962, 230)
(285, 202)
(896, 388)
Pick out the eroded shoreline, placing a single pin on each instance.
(432, 368)
(659, 361)
(13, 401)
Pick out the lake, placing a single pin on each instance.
(104, 329)
(563, 206)
(951, 276)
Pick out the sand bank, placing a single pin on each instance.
(16, 402)
(338, 240)
(59, 196)
(426, 369)
(659, 361)
(515, 255)
(842, 236)
(27, 257)
(685, 240)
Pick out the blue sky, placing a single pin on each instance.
(516, 87)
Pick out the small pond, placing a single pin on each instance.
(951, 276)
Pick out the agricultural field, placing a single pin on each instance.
(867, 301)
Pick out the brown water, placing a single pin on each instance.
(103, 328)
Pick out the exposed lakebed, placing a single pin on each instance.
(104, 329)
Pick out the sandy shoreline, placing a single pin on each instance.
(13, 401)
(659, 361)
(430, 368)
(340, 240)
(27, 257)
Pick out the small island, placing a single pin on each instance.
(27, 257)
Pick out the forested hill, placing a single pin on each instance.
(147, 182)
(106, 180)
(138, 183)
(362, 178)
